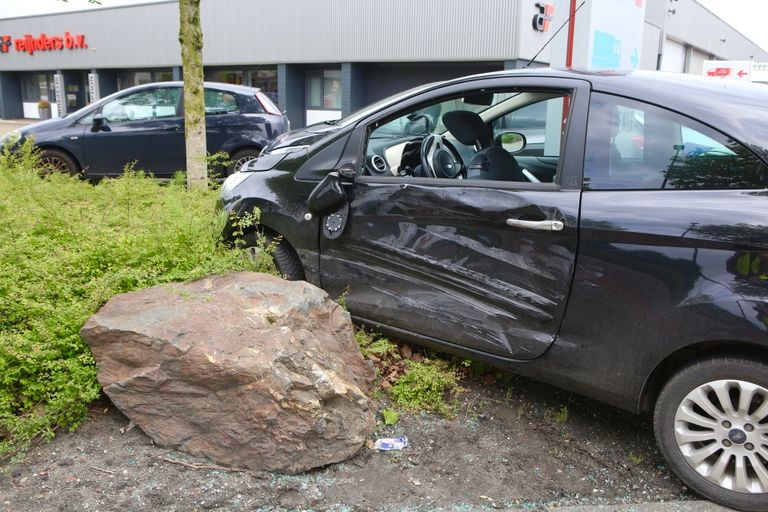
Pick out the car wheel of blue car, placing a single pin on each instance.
(51, 161)
(711, 423)
(239, 158)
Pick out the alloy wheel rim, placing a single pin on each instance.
(721, 429)
(53, 164)
(240, 161)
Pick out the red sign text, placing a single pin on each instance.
(43, 43)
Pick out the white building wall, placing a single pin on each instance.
(238, 32)
(651, 35)
(673, 57)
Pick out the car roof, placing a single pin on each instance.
(243, 89)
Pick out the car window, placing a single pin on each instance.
(143, 105)
(478, 135)
(633, 145)
(540, 123)
(220, 102)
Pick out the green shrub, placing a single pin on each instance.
(66, 247)
(373, 344)
(425, 386)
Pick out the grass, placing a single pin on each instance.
(66, 247)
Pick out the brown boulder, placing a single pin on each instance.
(247, 369)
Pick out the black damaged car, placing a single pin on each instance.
(606, 234)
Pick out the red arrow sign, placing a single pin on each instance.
(728, 69)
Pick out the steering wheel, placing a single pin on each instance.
(439, 158)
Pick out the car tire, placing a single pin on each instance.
(284, 256)
(51, 161)
(238, 158)
(288, 262)
(711, 424)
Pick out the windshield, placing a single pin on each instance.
(370, 109)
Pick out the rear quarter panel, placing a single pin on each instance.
(658, 271)
(229, 132)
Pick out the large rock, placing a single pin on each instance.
(247, 369)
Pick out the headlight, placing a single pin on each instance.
(233, 180)
(10, 138)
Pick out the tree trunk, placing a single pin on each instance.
(191, 39)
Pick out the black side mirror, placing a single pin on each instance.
(98, 123)
(347, 172)
(328, 196)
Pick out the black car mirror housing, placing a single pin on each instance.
(347, 172)
(328, 196)
(98, 123)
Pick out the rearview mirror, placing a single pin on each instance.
(328, 196)
(483, 99)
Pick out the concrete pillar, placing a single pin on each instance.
(291, 95)
(353, 95)
(688, 57)
(176, 73)
(104, 83)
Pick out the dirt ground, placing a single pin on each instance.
(514, 444)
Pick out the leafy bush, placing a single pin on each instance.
(425, 386)
(372, 344)
(66, 247)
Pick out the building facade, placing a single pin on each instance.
(319, 59)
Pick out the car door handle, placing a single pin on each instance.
(171, 128)
(541, 225)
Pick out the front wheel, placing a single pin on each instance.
(711, 423)
(52, 161)
(283, 255)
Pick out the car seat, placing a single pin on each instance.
(491, 162)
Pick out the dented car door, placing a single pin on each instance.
(482, 264)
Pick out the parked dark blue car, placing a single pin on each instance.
(144, 125)
(607, 234)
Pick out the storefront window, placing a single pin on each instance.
(36, 87)
(324, 89)
(162, 76)
(264, 78)
(227, 77)
(127, 79)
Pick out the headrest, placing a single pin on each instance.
(467, 127)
